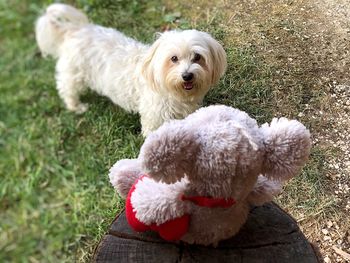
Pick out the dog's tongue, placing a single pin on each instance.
(188, 85)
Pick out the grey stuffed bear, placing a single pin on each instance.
(195, 179)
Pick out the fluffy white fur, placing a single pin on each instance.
(159, 202)
(163, 81)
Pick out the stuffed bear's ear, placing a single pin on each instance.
(124, 174)
(169, 153)
(287, 148)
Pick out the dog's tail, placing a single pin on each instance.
(51, 27)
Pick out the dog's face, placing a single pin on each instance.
(184, 64)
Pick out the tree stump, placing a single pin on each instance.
(269, 235)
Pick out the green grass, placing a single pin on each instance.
(55, 198)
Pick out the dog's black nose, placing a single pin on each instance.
(187, 76)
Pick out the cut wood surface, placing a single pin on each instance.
(269, 235)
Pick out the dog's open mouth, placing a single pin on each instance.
(188, 85)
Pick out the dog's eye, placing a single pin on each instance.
(197, 57)
(174, 59)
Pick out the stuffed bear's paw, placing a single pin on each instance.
(123, 175)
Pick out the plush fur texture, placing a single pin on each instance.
(163, 81)
(160, 198)
(217, 152)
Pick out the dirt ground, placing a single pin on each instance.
(308, 42)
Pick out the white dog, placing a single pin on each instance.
(167, 80)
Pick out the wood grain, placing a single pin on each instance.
(269, 235)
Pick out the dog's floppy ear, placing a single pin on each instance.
(287, 148)
(147, 69)
(218, 62)
(169, 153)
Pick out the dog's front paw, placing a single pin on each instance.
(82, 108)
(79, 108)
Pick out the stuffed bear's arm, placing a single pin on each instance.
(156, 203)
(264, 191)
(124, 174)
